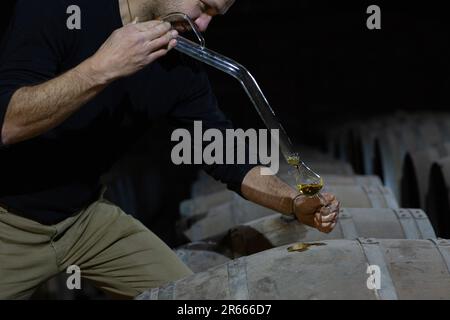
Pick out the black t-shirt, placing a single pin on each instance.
(53, 176)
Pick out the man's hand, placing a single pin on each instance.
(318, 212)
(131, 48)
(271, 192)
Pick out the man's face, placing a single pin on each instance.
(200, 11)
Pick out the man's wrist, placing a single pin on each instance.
(295, 198)
(88, 72)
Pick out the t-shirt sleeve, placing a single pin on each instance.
(200, 104)
(32, 48)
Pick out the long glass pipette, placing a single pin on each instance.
(308, 182)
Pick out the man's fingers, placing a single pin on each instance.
(315, 202)
(162, 52)
(335, 205)
(149, 25)
(328, 218)
(157, 54)
(172, 44)
(157, 31)
(163, 42)
(311, 204)
(328, 197)
(328, 229)
(324, 227)
(332, 208)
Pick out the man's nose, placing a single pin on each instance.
(203, 21)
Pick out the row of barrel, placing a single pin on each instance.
(411, 154)
(241, 251)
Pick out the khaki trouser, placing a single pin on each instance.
(112, 249)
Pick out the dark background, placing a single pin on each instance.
(317, 61)
(318, 65)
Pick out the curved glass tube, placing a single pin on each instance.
(176, 16)
(308, 182)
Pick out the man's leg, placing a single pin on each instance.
(117, 252)
(27, 258)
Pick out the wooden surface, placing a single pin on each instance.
(410, 269)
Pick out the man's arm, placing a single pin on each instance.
(37, 109)
(273, 193)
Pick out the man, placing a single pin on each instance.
(63, 97)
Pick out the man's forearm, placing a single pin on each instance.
(38, 109)
(268, 191)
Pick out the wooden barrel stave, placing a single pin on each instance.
(200, 260)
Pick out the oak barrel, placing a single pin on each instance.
(338, 269)
(416, 173)
(277, 230)
(438, 197)
(395, 141)
(200, 260)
